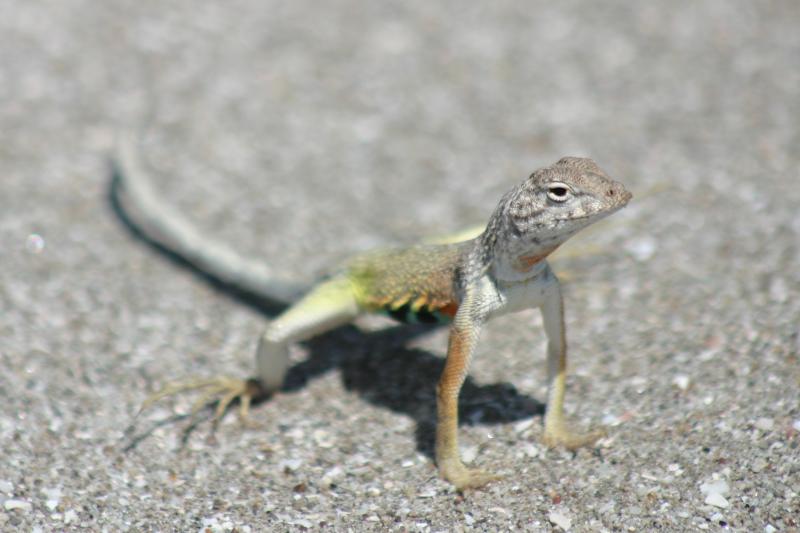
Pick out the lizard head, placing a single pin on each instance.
(538, 215)
(557, 201)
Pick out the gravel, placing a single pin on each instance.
(302, 132)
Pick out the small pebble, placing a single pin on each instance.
(302, 522)
(17, 505)
(558, 518)
(7, 486)
(717, 500)
(52, 498)
(332, 476)
(530, 450)
(796, 425)
(469, 453)
(524, 425)
(681, 381)
(70, 516)
(719, 486)
(290, 464)
(764, 424)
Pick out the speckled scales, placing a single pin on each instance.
(420, 279)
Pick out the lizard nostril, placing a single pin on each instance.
(610, 192)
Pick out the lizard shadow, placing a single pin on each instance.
(390, 375)
(374, 364)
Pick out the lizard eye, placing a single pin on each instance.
(558, 192)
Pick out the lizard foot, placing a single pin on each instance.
(222, 389)
(571, 440)
(464, 478)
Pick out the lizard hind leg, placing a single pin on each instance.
(329, 305)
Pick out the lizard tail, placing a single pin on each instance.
(137, 203)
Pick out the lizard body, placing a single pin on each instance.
(504, 269)
(413, 284)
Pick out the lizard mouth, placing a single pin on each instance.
(600, 214)
(584, 217)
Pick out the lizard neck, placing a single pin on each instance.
(510, 258)
(521, 261)
(509, 254)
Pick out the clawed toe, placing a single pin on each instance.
(475, 479)
(222, 390)
(571, 440)
(464, 478)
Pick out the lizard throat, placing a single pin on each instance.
(525, 263)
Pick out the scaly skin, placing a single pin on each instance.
(504, 269)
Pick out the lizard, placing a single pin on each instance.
(504, 269)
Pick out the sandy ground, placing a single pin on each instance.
(301, 132)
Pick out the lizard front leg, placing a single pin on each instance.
(463, 338)
(556, 430)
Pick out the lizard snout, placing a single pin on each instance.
(617, 193)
